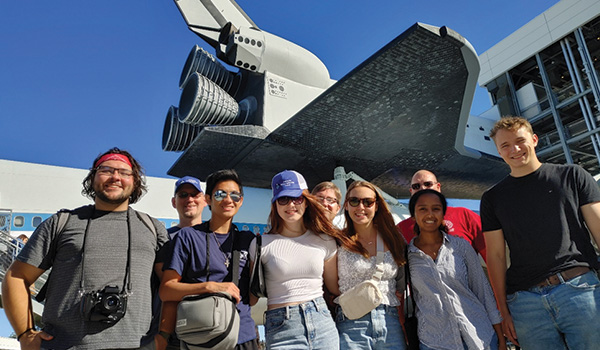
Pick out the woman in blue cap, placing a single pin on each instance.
(298, 254)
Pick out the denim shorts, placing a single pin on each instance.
(558, 316)
(305, 326)
(379, 329)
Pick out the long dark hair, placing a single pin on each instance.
(412, 203)
(383, 221)
(314, 219)
(139, 179)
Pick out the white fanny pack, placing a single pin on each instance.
(365, 296)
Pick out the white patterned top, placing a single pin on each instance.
(354, 268)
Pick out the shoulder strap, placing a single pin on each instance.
(408, 288)
(63, 216)
(145, 218)
(380, 252)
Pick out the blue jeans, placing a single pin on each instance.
(379, 329)
(493, 345)
(304, 326)
(564, 316)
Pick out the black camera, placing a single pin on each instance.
(107, 305)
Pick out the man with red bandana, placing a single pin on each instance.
(460, 222)
(99, 294)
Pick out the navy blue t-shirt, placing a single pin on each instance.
(188, 259)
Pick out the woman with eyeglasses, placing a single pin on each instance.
(298, 254)
(369, 220)
(456, 308)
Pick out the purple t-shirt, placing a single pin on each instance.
(188, 259)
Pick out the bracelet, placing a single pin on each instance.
(25, 331)
(165, 335)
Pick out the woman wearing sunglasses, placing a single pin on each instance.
(456, 308)
(298, 254)
(369, 220)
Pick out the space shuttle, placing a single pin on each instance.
(261, 104)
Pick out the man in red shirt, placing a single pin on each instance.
(460, 222)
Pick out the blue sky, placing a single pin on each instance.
(79, 77)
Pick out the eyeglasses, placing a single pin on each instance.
(366, 202)
(108, 171)
(234, 195)
(328, 200)
(184, 195)
(426, 184)
(286, 200)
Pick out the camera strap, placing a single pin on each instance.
(127, 279)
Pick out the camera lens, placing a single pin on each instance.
(111, 302)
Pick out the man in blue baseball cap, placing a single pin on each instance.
(189, 200)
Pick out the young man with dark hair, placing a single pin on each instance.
(105, 251)
(549, 297)
(185, 273)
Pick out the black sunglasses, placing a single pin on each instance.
(184, 195)
(234, 195)
(426, 184)
(286, 200)
(366, 202)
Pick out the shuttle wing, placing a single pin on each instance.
(403, 109)
(207, 17)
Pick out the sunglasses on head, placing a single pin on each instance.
(286, 200)
(366, 202)
(234, 195)
(426, 184)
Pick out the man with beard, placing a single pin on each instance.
(98, 293)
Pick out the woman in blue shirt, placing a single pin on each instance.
(456, 308)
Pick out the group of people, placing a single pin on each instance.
(549, 297)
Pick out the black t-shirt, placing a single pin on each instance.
(542, 223)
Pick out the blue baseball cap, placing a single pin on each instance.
(188, 180)
(288, 183)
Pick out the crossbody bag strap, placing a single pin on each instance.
(235, 273)
(379, 265)
(408, 288)
(207, 265)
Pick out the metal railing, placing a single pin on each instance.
(9, 249)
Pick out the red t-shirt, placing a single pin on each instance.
(461, 222)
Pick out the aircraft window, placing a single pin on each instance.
(259, 44)
(19, 221)
(36, 221)
(247, 41)
(253, 42)
(487, 138)
(241, 38)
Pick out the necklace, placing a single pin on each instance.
(222, 251)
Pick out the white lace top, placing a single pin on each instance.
(354, 268)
